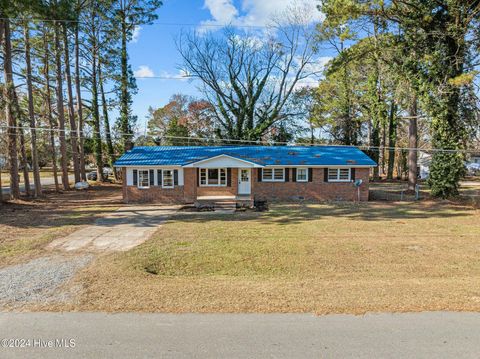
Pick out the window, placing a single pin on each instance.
(213, 177)
(143, 178)
(302, 174)
(339, 174)
(273, 174)
(167, 178)
(203, 177)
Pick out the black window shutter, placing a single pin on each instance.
(259, 172)
(175, 177)
(352, 174)
(287, 174)
(152, 179)
(310, 174)
(294, 175)
(159, 177)
(198, 177)
(325, 175)
(135, 177)
(229, 177)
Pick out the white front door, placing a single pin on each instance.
(244, 181)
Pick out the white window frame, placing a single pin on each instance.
(337, 178)
(273, 179)
(306, 175)
(138, 178)
(219, 181)
(163, 178)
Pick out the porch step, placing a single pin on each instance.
(225, 205)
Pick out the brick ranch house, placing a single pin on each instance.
(174, 174)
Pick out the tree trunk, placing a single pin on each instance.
(79, 106)
(49, 110)
(1, 192)
(23, 159)
(392, 139)
(31, 115)
(97, 139)
(124, 97)
(106, 123)
(2, 28)
(384, 145)
(412, 144)
(60, 109)
(375, 148)
(9, 94)
(71, 111)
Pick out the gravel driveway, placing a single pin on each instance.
(38, 280)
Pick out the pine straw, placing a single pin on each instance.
(333, 258)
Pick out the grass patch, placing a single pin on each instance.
(294, 258)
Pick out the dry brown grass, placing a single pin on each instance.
(335, 258)
(26, 226)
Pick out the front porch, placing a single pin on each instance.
(223, 182)
(224, 202)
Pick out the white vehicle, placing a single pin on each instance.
(107, 171)
(473, 168)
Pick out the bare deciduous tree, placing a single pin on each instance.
(250, 78)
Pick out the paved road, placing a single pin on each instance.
(97, 335)
(121, 230)
(45, 181)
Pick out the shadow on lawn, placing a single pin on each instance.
(373, 211)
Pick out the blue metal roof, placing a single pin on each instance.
(261, 155)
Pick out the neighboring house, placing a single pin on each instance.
(475, 158)
(3, 161)
(423, 162)
(169, 174)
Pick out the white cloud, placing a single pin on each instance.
(144, 71)
(316, 70)
(136, 34)
(222, 11)
(255, 12)
(181, 75)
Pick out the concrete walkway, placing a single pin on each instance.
(135, 335)
(120, 231)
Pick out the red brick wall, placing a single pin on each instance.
(190, 184)
(317, 190)
(179, 194)
(154, 194)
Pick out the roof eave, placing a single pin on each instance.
(196, 163)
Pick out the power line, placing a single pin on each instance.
(241, 141)
(161, 23)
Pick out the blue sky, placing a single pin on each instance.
(153, 52)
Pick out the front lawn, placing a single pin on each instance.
(340, 258)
